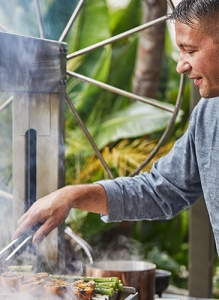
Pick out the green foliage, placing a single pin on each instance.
(166, 245)
(136, 120)
(110, 119)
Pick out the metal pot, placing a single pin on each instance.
(137, 274)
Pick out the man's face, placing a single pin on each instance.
(199, 58)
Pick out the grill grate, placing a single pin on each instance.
(128, 293)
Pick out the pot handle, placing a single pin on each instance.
(87, 248)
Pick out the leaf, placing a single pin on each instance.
(137, 120)
(94, 64)
(129, 17)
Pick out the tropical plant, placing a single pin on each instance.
(126, 133)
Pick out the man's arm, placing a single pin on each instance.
(54, 208)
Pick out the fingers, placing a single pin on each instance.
(21, 220)
(49, 211)
(42, 232)
(26, 222)
(29, 220)
(23, 226)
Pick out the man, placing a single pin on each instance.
(177, 180)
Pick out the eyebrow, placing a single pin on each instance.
(183, 45)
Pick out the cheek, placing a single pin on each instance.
(213, 67)
(208, 64)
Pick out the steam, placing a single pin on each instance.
(5, 168)
(120, 247)
(31, 70)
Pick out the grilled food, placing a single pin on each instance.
(44, 286)
(32, 286)
(10, 280)
(56, 287)
(83, 289)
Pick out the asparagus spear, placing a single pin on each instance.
(101, 282)
(27, 268)
(104, 291)
(103, 279)
(106, 284)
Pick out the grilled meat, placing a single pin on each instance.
(41, 286)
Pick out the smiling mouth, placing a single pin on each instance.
(197, 80)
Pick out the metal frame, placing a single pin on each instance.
(38, 87)
(127, 94)
(45, 80)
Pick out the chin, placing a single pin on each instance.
(209, 94)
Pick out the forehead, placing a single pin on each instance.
(186, 34)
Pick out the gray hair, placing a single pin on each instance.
(188, 11)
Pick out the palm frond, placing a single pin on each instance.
(123, 159)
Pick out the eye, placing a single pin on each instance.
(190, 51)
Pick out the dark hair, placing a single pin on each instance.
(188, 11)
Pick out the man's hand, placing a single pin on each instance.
(50, 211)
(54, 208)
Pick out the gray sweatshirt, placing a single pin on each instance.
(177, 180)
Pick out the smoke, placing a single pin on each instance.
(5, 168)
(31, 71)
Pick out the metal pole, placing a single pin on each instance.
(119, 91)
(4, 28)
(89, 137)
(6, 103)
(71, 21)
(168, 129)
(117, 37)
(171, 5)
(39, 19)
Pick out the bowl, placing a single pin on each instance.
(162, 281)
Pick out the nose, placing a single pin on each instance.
(183, 65)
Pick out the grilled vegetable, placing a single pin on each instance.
(114, 282)
(69, 287)
(104, 291)
(28, 268)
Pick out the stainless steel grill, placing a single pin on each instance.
(128, 293)
(33, 71)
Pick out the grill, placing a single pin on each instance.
(33, 293)
(25, 282)
(33, 73)
(25, 296)
(128, 293)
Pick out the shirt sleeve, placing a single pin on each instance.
(172, 186)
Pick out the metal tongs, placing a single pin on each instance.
(17, 246)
